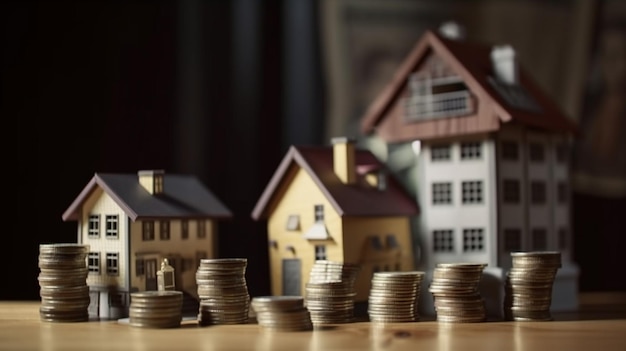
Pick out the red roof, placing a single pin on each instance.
(472, 62)
(347, 199)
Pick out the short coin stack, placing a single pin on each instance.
(156, 309)
(455, 289)
(63, 282)
(223, 291)
(330, 292)
(282, 313)
(394, 297)
(528, 287)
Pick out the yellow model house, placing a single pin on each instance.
(132, 222)
(334, 203)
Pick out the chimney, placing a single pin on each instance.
(152, 180)
(504, 64)
(344, 164)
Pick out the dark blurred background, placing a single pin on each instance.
(220, 89)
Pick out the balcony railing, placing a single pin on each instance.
(451, 104)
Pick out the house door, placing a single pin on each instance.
(291, 276)
(94, 304)
(151, 278)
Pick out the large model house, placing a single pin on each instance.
(334, 203)
(132, 222)
(493, 168)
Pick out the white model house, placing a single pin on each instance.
(492, 162)
(132, 222)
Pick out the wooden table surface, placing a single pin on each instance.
(599, 325)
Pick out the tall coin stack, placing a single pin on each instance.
(330, 292)
(223, 291)
(282, 313)
(394, 297)
(63, 282)
(528, 286)
(456, 294)
(156, 309)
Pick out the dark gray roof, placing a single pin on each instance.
(183, 196)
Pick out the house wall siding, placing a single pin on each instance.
(185, 250)
(457, 216)
(297, 196)
(102, 204)
(551, 215)
(359, 248)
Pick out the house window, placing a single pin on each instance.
(443, 240)
(537, 192)
(392, 242)
(536, 152)
(147, 230)
(320, 252)
(442, 193)
(200, 255)
(319, 213)
(116, 300)
(184, 229)
(201, 229)
(111, 226)
(440, 153)
(293, 222)
(93, 262)
(164, 233)
(510, 151)
(562, 153)
(140, 268)
(472, 192)
(93, 231)
(512, 240)
(187, 265)
(158, 184)
(112, 263)
(510, 191)
(540, 239)
(562, 192)
(473, 240)
(471, 150)
(563, 238)
(376, 243)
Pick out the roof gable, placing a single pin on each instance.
(347, 200)
(183, 197)
(472, 62)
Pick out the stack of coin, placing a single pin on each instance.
(223, 291)
(394, 297)
(330, 292)
(324, 271)
(63, 282)
(456, 294)
(282, 313)
(156, 309)
(528, 287)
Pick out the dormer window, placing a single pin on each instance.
(158, 183)
(377, 179)
(437, 97)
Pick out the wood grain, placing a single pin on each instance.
(598, 325)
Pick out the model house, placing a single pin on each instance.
(492, 156)
(334, 203)
(132, 222)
